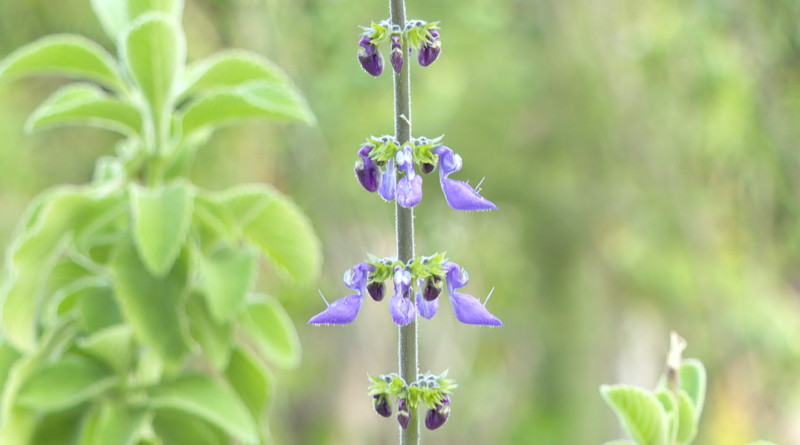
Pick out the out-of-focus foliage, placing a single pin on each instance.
(128, 315)
(644, 158)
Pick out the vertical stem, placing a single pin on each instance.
(407, 336)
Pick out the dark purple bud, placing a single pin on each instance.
(381, 405)
(433, 287)
(437, 417)
(445, 399)
(403, 414)
(366, 43)
(427, 168)
(428, 53)
(434, 34)
(396, 42)
(377, 290)
(396, 58)
(371, 60)
(367, 171)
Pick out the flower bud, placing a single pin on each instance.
(427, 168)
(433, 287)
(429, 52)
(377, 290)
(381, 405)
(372, 64)
(437, 417)
(396, 58)
(403, 414)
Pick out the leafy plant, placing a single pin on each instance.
(129, 313)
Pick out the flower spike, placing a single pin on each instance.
(345, 310)
(459, 195)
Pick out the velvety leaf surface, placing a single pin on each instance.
(175, 428)
(231, 68)
(639, 412)
(693, 381)
(252, 380)
(272, 331)
(65, 384)
(213, 337)
(228, 274)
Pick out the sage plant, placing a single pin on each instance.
(128, 307)
(392, 166)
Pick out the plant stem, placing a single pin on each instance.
(407, 335)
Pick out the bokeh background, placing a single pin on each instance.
(645, 159)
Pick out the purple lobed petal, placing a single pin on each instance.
(403, 414)
(427, 309)
(402, 310)
(367, 171)
(396, 58)
(409, 191)
(437, 417)
(458, 194)
(428, 53)
(388, 187)
(469, 310)
(371, 60)
(456, 277)
(342, 311)
(356, 278)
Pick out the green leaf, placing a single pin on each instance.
(231, 68)
(693, 381)
(272, 331)
(639, 412)
(152, 305)
(98, 308)
(620, 442)
(214, 217)
(8, 356)
(112, 14)
(279, 228)
(687, 425)
(246, 102)
(252, 380)
(60, 215)
(63, 55)
(214, 338)
(154, 50)
(116, 424)
(84, 104)
(173, 8)
(113, 345)
(62, 427)
(229, 274)
(209, 399)
(65, 384)
(175, 428)
(161, 220)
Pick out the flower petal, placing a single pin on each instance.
(356, 278)
(388, 186)
(402, 310)
(427, 308)
(409, 192)
(367, 171)
(456, 276)
(469, 310)
(460, 196)
(342, 311)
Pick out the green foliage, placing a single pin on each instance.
(639, 412)
(120, 296)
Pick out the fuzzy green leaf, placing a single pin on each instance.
(279, 228)
(229, 274)
(252, 380)
(65, 384)
(61, 427)
(84, 104)
(175, 428)
(112, 14)
(153, 305)
(63, 55)
(161, 220)
(246, 102)
(173, 8)
(272, 331)
(620, 442)
(115, 424)
(214, 338)
(639, 412)
(113, 345)
(210, 400)
(98, 308)
(231, 68)
(693, 381)
(687, 425)
(8, 356)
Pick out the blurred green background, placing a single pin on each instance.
(644, 157)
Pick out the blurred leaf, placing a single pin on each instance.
(252, 380)
(62, 428)
(112, 14)
(272, 331)
(229, 274)
(153, 305)
(65, 384)
(693, 381)
(279, 228)
(215, 217)
(175, 428)
(210, 400)
(687, 426)
(8, 356)
(214, 338)
(98, 308)
(620, 442)
(247, 102)
(82, 104)
(154, 51)
(231, 68)
(63, 55)
(161, 220)
(116, 424)
(639, 413)
(113, 345)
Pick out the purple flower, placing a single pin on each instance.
(388, 187)
(437, 417)
(400, 305)
(381, 405)
(396, 58)
(467, 308)
(459, 195)
(345, 310)
(403, 414)
(369, 57)
(367, 171)
(433, 287)
(430, 49)
(377, 290)
(409, 189)
(426, 309)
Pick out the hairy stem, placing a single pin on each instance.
(407, 336)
